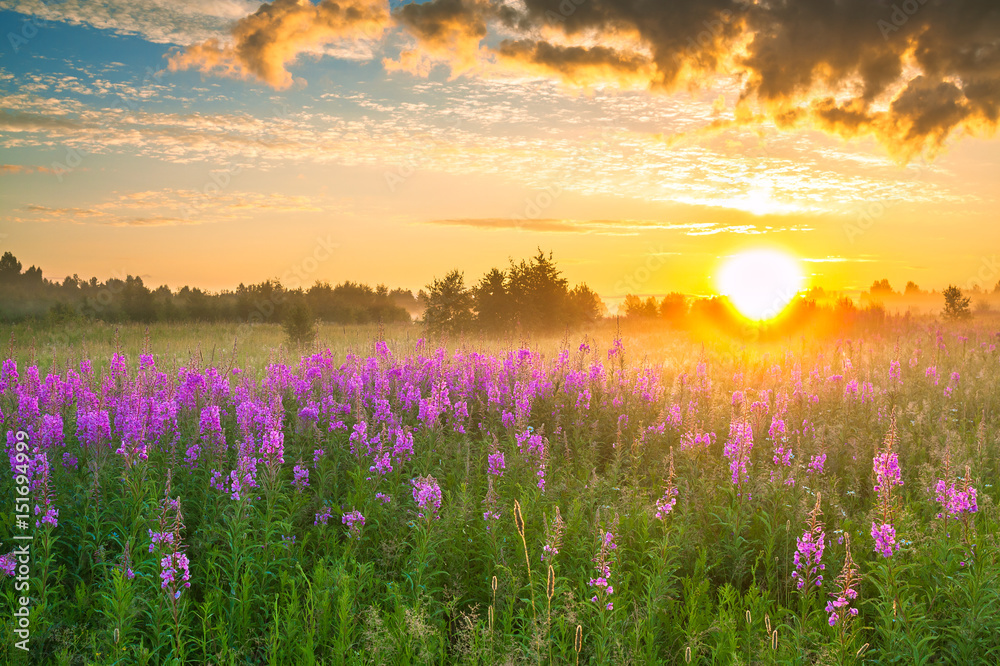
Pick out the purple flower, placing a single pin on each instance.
(174, 569)
(738, 449)
(354, 521)
(809, 552)
(816, 463)
(427, 495)
(839, 608)
(300, 476)
(495, 464)
(323, 516)
(8, 563)
(885, 539)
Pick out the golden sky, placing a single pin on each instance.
(213, 143)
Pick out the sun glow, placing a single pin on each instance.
(760, 283)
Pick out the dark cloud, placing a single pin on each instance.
(911, 73)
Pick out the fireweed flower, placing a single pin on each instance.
(244, 476)
(601, 584)
(534, 443)
(809, 552)
(8, 563)
(553, 536)
(896, 372)
(41, 480)
(816, 463)
(174, 564)
(93, 428)
(665, 504)
(323, 516)
(174, 573)
(839, 608)
(427, 495)
(695, 440)
(958, 500)
(354, 521)
(300, 477)
(495, 464)
(738, 449)
(382, 497)
(885, 467)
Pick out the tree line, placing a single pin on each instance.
(27, 295)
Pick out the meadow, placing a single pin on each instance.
(205, 495)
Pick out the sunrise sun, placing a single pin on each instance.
(760, 282)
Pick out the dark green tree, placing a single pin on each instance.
(538, 292)
(10, 268)
(298, 323)
(449, 304)
(492, 302)
(956, 306)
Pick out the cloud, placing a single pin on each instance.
(158, 21)
(911, 74)
(448, 31)
(172, 207)
(579, 66)
(22, 169)
(264, 43)
(606, 227)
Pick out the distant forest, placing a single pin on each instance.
(27, 295)
(529, 294)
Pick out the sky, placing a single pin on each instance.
(214, 142)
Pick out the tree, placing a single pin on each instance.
(492, 302)
(538, 292)
(585, 306)
(673, 307)
(299, 324)
(449, 304)
(636, 308)
(10, 268)
(912, 289)
(956, 306)
(881, 287)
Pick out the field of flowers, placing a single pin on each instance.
(827, 501)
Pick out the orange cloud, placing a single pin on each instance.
(446, 31)
(20, 168)
(267, 41)
(578, 65)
